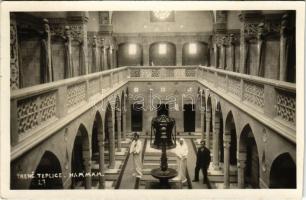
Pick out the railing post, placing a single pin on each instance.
(242, 89)
(87, 90)
(269, 99)
(215, 82)
(226, 81)
(61, 102)
(111, 80)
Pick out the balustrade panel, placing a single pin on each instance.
(35, 111)
(285, 106)
(76, 94)
(254, 94)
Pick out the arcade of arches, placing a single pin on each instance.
(81, 85)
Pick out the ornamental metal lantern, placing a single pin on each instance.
(159, 124)
(163, 136)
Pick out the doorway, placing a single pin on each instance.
(136, 115)
(189, 117)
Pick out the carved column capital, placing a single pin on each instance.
(284, 30)
(94, 41)
(260, 31)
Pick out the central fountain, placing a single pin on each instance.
(163, 136)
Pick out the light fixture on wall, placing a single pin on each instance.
(162, 49)
(162, 15)
(136, 89)
(132, 49)
(192, 48)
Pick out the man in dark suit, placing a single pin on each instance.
(203, 161)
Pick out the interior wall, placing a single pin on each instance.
(93, 21)
(167, 59)
(125, 59)
(199, 58)
(233, 21)
(185, 21)
(30, 61)
(58, 59)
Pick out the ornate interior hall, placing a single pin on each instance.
(82, 83)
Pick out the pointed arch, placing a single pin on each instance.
(248, 152)
(48, 164)
(230, 129)
(283, 172)
(80, 161)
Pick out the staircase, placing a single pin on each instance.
(110, 175)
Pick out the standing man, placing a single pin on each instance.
(203, 161)
(182, 152)
(135, 150)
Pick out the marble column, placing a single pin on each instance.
(118, 130)
(110, 57)
(115, 58)
(179, 56)
(216, 57)
(68, 71)
(284, 50)
(226, 166)
(208, 121)
(216, 140)
(46, 65)
(111, 126)
(232, 66)
(124, 120)
(101, 159)
(87, 165)
(202, 124)
(223, 53)
(95, 66)
(260, 49)
(78, 25)
(241, 164)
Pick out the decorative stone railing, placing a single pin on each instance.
(275, 100)
(254, 93)
(163, 72)
(36, 107)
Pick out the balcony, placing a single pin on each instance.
(38, 112)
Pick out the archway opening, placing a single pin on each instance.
(162, 54)
(49, 165)
(219, 118)
(195, 53)
(189, 117)
(130, 54)
(230, 129)
(80, 158)
(248, 146)
(283, 172)
(136, 117)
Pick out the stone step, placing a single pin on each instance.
(158, 154)
(220, 179)
(153, 165)
(157, 158)
(145, 178)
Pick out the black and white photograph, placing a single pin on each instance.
(194, 99)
